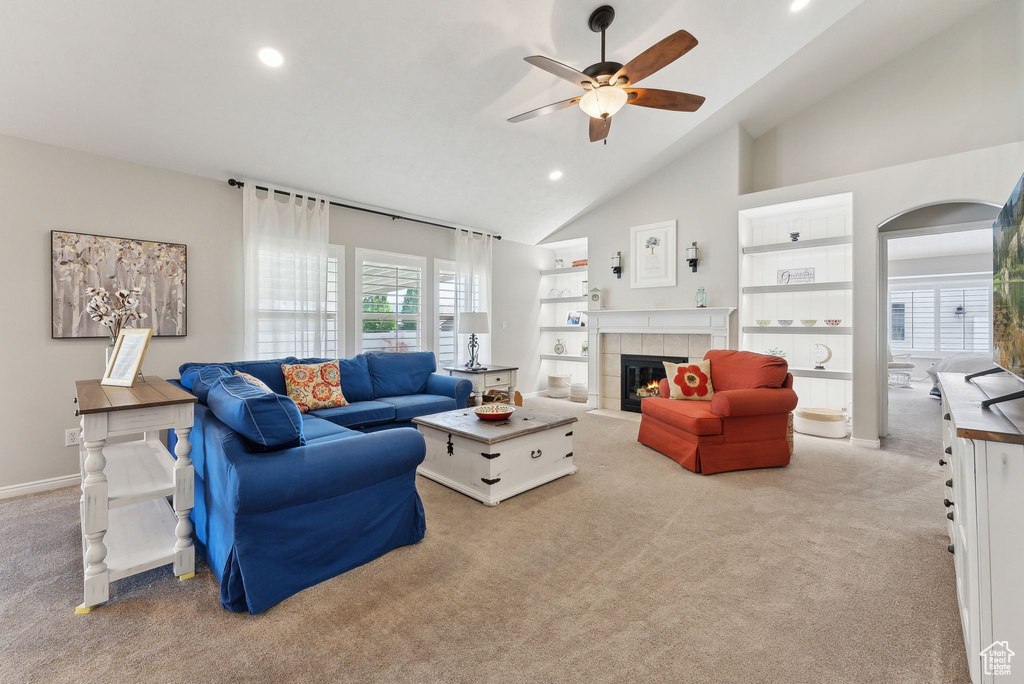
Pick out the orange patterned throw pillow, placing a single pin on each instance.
(314, 386)
(690, 380)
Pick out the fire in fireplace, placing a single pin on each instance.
(640, 376)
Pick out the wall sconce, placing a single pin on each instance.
(617, 264)
(692, 254)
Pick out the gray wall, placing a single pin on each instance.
(960, 90)
(699, 191)
(50, 188)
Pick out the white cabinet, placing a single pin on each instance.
(983, 495)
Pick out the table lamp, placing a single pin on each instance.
(473, 324)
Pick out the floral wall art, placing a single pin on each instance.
(653, 255)
(81, 262)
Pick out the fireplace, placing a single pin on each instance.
(640, 376)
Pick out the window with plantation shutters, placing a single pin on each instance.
(912, 320)
(389, 301)
(966, 319)
(282, 313)
(941, 317)
(445, 301)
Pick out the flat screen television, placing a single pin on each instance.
(1008, 284)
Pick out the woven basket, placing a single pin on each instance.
(558, 386)
(578, 392)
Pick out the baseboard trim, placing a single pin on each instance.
(11, 491)
(866, 443)
(541, 393)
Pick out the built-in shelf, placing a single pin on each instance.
(563, 300)
(565, 357)
(823, 374)
(803, 287)
(564, 328)
(797, 330)
(800, 244)
(564, 271)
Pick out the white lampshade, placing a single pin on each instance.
(473, 323)
(603, 101)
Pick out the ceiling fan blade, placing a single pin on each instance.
(664, 99)
(546, 109)
(658, 56)
(599, 128)
(560, 70)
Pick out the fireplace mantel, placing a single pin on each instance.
(692, 321)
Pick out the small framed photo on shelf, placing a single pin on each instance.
(573, 318)
(126, 359)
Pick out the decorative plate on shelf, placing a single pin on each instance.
(833, 322)
(494, 411)
(809, 322)
(763, 322)
(785, 321)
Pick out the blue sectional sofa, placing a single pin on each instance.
(285, 500)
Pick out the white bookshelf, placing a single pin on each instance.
(570, 284)
(825, 244)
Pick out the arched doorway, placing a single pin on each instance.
(952, 219)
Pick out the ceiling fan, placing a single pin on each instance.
(608, 84)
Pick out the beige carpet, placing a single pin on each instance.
(831, 570)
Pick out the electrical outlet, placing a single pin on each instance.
(73, 437)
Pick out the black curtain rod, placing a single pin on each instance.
(394, 217)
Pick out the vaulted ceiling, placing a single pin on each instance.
(399, 104)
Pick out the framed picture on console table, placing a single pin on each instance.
(126, 359)
(652, 255)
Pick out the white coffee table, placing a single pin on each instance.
(492, 461)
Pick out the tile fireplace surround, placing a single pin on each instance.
(655, 332)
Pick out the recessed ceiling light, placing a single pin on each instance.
(273, 58)
(555, 175)
(798, 5)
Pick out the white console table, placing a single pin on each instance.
(983, 463)
(128, 526)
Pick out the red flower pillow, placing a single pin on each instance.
(314, 386)
(690, 380)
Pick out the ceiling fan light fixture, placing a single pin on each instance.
(603, 102)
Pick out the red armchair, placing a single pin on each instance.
(743, 426)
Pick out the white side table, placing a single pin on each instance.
(487, 378)
(128, 526)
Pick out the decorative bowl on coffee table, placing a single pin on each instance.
(494, 411)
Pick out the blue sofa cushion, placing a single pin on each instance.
(355, 377)
(412, 405)
(201, 379)
(269, 421)
(397, 374)
(316, 430)
(359, 414)
(269, 371)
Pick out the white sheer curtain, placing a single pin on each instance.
(284, 241)
(473, 288)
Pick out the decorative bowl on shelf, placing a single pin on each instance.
(785, 321)
(763, 322)
(833, 322)
(808, 322)
(494, 411)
